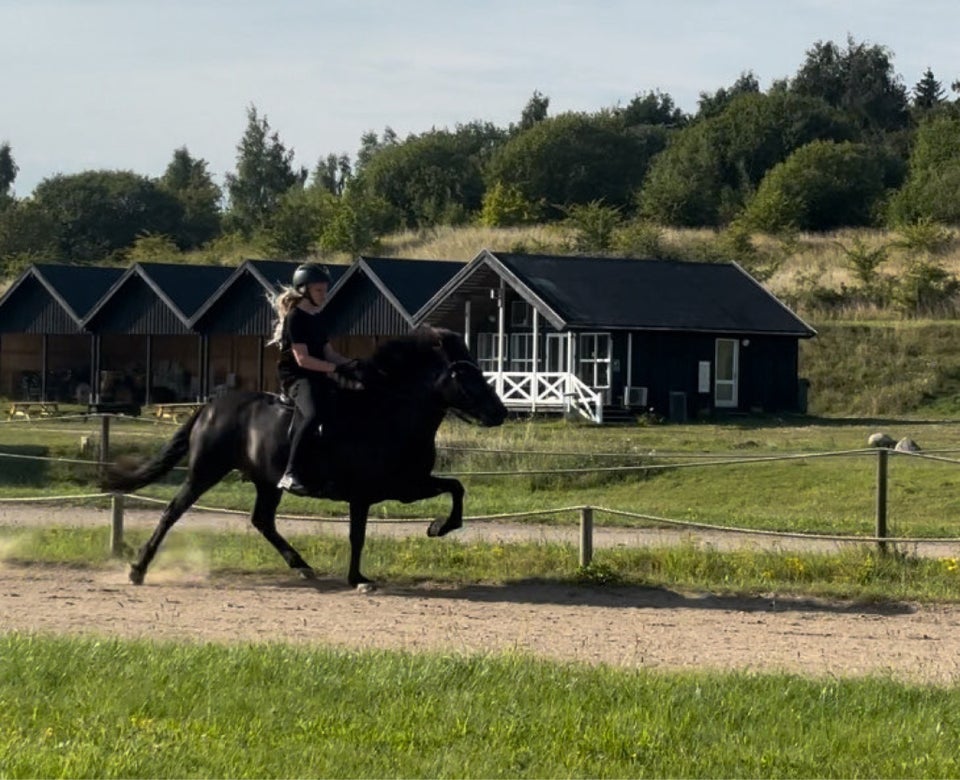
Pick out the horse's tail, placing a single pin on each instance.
(134, 474)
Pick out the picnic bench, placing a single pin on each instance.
(28, 409)
(177, 412)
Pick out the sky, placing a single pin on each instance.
(121, 84)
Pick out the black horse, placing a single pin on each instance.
(381, 442)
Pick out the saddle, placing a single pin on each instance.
(286, 402)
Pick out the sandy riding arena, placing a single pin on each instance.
(634, 627)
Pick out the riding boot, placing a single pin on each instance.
(319, 482)
(291, 480)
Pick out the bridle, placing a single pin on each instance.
(448, 375)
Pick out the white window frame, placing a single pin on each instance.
(486, 351)
(588, 368)
(520, 352)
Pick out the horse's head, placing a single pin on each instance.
(461, 385)
(435, 363)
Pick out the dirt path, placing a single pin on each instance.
(634, 627)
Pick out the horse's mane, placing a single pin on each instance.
(410, 355)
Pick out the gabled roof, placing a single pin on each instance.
(271, 274)
(406, 283)
(630, 294)
(75, 287)
(182, 287)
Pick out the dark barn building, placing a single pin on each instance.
(377, 297)
(45, 353)
(681, 338)
(144, 348)
(238, 322)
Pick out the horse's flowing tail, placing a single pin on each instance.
(135, 475)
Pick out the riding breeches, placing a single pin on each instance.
(313, 398)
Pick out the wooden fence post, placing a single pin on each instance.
(116, 525)
(881, 532)
(104, 444)
(586, 535)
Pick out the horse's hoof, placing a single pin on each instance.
(136, 576)
(442, 526)
(306, 573)
(366, 587)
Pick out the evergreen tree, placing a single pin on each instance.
(535, 111)
(188, 180)
(264, 174)
(8, 172)
(928, 93)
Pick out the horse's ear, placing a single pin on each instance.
(430, 335)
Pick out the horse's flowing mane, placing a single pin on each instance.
(411, 355)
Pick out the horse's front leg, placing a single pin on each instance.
(437, 485)
(358, 536)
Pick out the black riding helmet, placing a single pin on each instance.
(310, 273)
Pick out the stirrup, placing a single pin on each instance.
(292, 485)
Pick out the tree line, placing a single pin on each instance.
(843, 142)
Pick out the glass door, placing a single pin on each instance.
(726, 373)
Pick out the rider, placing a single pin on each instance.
(306, 368)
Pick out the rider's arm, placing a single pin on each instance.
(305, 360)
(332, 356)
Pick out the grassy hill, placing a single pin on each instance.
(909, 368)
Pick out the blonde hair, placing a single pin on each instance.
(283, 303)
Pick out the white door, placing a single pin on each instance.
(726, 373)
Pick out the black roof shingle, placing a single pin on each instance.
(627, 293)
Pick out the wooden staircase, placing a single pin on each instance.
(614, 414)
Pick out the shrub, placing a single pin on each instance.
(822, 186)
(504, 205)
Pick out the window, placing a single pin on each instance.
(486, 351)
(521, 352)
(593, 359)
(520, 314)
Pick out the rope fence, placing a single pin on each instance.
(881, 537)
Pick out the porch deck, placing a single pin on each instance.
(550, 391)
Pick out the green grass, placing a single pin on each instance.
(109, 708)
(834, 495)
(861, 573)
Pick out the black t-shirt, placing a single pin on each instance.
(299, 327)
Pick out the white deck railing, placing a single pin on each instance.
(546, 392)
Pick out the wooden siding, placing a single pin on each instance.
(136, 309)
(32, 309)
(242, 310)
(360, 309)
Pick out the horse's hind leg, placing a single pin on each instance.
(264, 519)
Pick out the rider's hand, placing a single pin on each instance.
(349, 375)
